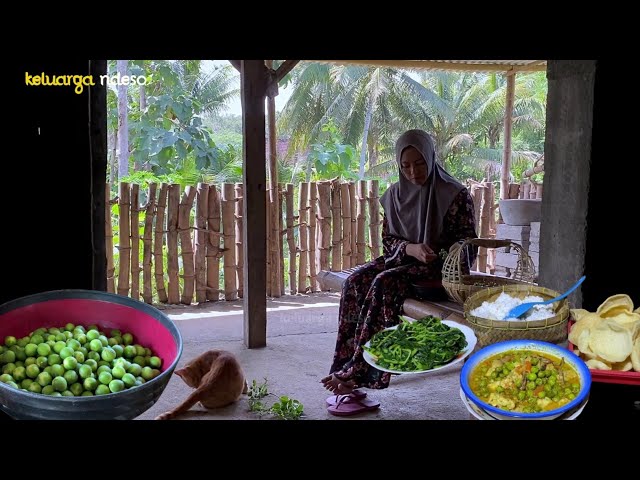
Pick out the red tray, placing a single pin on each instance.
(610, 376)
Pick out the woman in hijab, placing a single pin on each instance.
(426, 211)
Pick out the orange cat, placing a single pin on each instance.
(218, 379)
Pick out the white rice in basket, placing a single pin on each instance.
(497, 309)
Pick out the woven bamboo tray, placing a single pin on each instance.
(552, 330)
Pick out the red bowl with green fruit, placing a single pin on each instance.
(84, 354)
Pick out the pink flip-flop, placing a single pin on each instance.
(351, 406)
(337, 399)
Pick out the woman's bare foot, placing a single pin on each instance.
(337, 386)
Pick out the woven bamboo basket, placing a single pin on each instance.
(552, 330)
(460, 284)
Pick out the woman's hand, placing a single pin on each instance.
(421, 251)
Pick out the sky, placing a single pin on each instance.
(235, 107)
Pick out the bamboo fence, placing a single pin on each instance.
(187, 241)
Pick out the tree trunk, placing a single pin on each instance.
(143, 106)
(363, 150)
(123, 123)
(113, 174)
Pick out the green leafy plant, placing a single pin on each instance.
(285, 408)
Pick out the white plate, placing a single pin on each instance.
(471, 344)
(480, 414)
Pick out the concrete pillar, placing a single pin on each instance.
(567, 153)
(590, 206)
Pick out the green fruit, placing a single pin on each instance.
(44, 379)
(32, 371)
(34, 388)
(19, 374)
(10, 341)
(87, 394)
(127, 339)
(92, 334)
(48, 390)
(116, 386)
(42, 362)
(95, 345)
(66, 352)
(90, 384)
(70, 363)
(71, 377)
(76, 389)
(129, 351)
(118, 372)
(31, 349)
(102, 390)
(129, 380)
(84, 371)
(147, 373)
(54, 359)
(69, 327)
(155, 362)
(57, 370)
(5, 378)
(108, 354)
(105, 378)
(44, 349)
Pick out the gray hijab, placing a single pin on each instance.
(416, 213)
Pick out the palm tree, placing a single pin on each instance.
(368, 104)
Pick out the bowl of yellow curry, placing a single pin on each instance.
(525, 379)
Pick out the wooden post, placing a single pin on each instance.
(485, 221)
(362, 213)
(281, 232)
(229, 235)
(508, 120)
(526, 190)
(108, 234)
(311, 236)
(239, 253)
(494, 205)
(269, 272)
(135, 241)
(172, 243)
(147, 238)
(186, 244)
(124, 247)
(253, 87)
(354, 226)
(158, 242)
(324, 229)
(336, 238)
(293, 289)
(200, 237)
(213, 245)
(476, 196)
(514, 190)
(345, 206)
(374, 219)
(303, 238)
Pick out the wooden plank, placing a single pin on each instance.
(508, 121)
(303, 238)
(285, 68)
(229, 236)
(124, 248)
(108, 229)
(239, 227)
(253, 84)
(135, 241)
(213, 245)
(158, 242)
(172, 244)
(200, 240)
(147, 239)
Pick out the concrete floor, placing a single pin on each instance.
(301, 337)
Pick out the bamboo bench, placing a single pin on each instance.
(412, 307)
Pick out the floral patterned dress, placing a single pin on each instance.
(372, 296)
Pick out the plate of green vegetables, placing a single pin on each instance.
(419, 346)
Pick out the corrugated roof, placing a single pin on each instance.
(459, 65)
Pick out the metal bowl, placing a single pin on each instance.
(149, 326)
